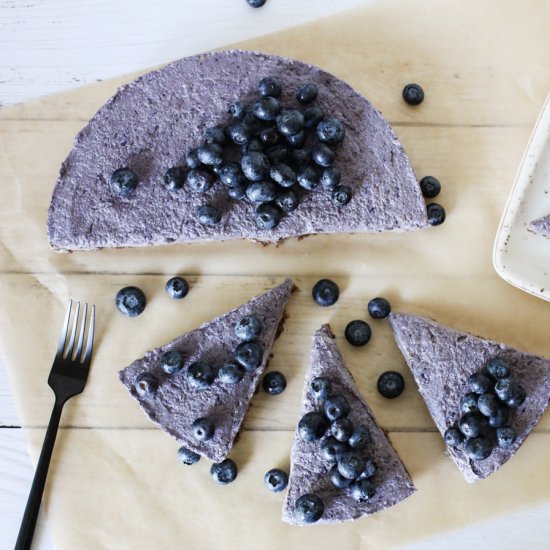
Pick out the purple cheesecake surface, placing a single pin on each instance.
(441, 360)
(175, 405)
(541, 226)
(309, 471)
(150, 124)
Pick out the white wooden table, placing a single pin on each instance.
(53, 45)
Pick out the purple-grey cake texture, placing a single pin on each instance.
(441, 360)
(151, 123)
(309, 471)
(175, 404)
(541, 226)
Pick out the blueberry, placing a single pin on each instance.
(237, 110)
(336, 406)
(341, 429)
(261, 191)
(276, 480)
(223, 472)
(517, 398)
(187, 456)
(330, 177)
(248, 328)
(436, 213)
(208, 215)
(379, 308)
(325, 292)
(337, 479)
(308, 177)
(177, 288)
(357, 332)
(124, 181)
(283, 174)
(360, 438)
(171, 361)
(277, 153)
(215, 135)
(287, 201)
(203, 429)
(505, 387)
(231, 373)
(499, 417)
(255, 166)
(192, 159)
(297, 140)
(231, 175)
(468, 404)
(174, 178)
(290, 122)
(390, 384)
(267, 108)
(430, 187)
(274, 383)
(479, 447)
(200, 375)
(146, 384)
(130, 301)
(312, 116)
(330, 131)
(267, 216)
(480, 383)
(270, 136)
(331, 448)
(488, 404)
(237, 193)
(471, 424)
(270, 86)
(309, 508)
(323, 155)
(506, 437)
(301, 156)
(321, 388)
(351, 465)
(240, 133)
(250, 355)
(307, 93)
(199, 180)
(369, 471)
(252, 124)
(210, 154)
(413, 94)
(312, 426)
(341, 195)
(362, 490)
(498, 368)
(453, 436)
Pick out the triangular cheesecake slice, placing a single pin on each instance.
(442, 360)
(310, 471)
(541, 226)
(174, 401)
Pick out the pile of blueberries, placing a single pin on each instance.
(343, 445)
(494, 394)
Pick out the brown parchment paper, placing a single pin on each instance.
(115, 481)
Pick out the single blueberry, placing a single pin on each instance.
(171, 361)
(250, 355)
(277, 153)
(369, 471)
(517, 398)
(331, 131)
(337, 479)
(488, 404)
(309, 508)
(270, 86)
(379, 308)
(215, 134)
(479, 447)
(210, 154)
(506, 436)
(308, 177)
(287, 201)
(192, 159)
(200, 375)
(325, 292)
(146, 384)
(453, 436)
(124, 181)
(290, 122)
(499, 417)
(248, 328)
(177, 288)
(468, 403)
(312, 116)
(362, 490)
(237, 193)
(307, 93)
(240, 133)
(341, 429)
(267, 216)
(436, 213)
(321, 388)
(231, 373)
(312, 426)
(187, 456)
(300, 157)
(360, 438)
(341, 195)
(261, 191)
(199, 180)
(331, 448)
(390, 384)
(413, 94)
(430, 187)
(323, 155)
(253, 124)
(471, 424)
(480, 383)
(330, 177)
(203, 429)
(237, 110)
(351, 465)
(357, 332)
(336, 406)
(274, 383)
(297, 140)
(498, 368)
(266, 108)
(231, 175)
(276, 480)
(174, 178)
(208, 215)
(130, 301)
(255, 166)
(270, 136)
(224, 472)
(505, 388)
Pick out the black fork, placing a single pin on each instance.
(67, 378)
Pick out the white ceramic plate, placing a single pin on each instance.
(521, 257)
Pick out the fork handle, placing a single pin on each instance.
(28, 523)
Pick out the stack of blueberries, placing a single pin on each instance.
(344, 445)
(484, 423)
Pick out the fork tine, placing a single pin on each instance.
(90, 343)
(73, 333)
(64, 331)
(78, 351)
